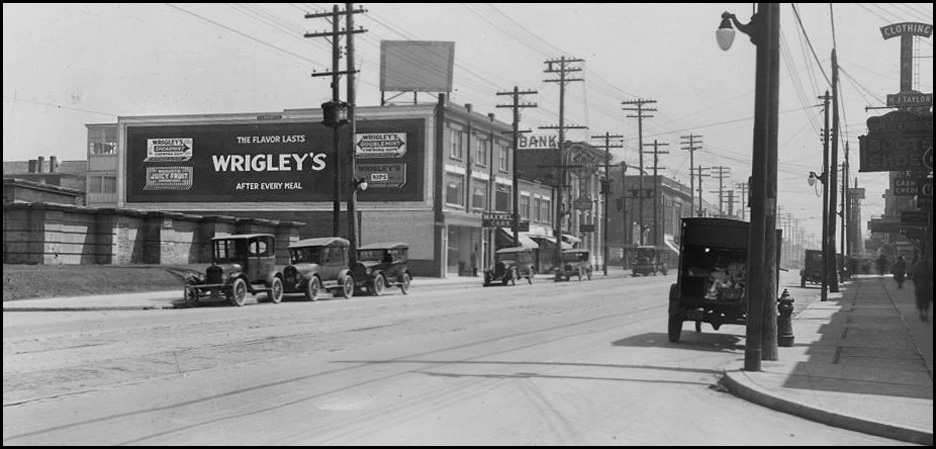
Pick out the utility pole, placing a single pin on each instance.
(641, 114)
(353, 229)
(694, 143)
(723, 173)
(833, 177)
(606, 186)
(336, 106)
(656, 184)
(731, 212)
(561, 67)
(700, 174)
(743, 187)
(516, 106)
(824, 294)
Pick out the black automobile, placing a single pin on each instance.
(240, 264)
(380, 266)
(575, 262)
(319, 264)
(511, 264)
(812, 268)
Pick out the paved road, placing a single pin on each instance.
(577, 363)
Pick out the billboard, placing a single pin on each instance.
(420, 66)
(263, 162)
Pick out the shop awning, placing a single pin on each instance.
(505, 239)
(547, 241)
(571, 239)
(671, 243)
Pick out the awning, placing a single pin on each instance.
(568, 238)
(671, 243)
(505, 239)
(546, 241)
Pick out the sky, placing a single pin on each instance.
(67, 65)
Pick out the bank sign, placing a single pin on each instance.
(268, 162)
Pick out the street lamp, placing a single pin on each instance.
(813, 177)
(761, 328)
(334, 114)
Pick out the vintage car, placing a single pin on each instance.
(575, 262)
(240, 264)
(511, 264)
(647, 261)
(712, 275)
(812, 268)
(382, 265)
(317, 265)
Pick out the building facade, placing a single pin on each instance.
(432, 171)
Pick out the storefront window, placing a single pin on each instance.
(502, 198)
(479, 195)
(455, 189)
(525, 207)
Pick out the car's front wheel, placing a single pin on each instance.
(377, 287)
(312, 289)
(192, 296)
(405, 283)
(275, 295)
(238, 293)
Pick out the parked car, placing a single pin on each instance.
(648, 261)
(318, 265)
(575, 262)
(382, 265)
(240, 264)
(812, 268)
(511, 264)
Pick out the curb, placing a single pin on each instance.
(89, 308)
(741, 385)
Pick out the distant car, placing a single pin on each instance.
(812, 268)
(382, 265)
(575, 262)
(240, 264)
(511, 264)
(318, 265)
(648, 261)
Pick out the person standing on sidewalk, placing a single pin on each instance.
(900, 271)
(923, 286)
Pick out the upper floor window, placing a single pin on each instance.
(481, 152)
(503, 157)
(457, 150)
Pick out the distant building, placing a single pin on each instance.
(41, 180)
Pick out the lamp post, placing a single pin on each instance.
(813, 177)
(764, 31)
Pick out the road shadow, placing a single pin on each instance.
(698, 341)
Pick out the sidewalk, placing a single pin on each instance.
(863, 360)
(172, 299)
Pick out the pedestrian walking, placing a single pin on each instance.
(881, 263)
(923, 286)
(900, 271)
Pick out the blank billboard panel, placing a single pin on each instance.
(421, 66)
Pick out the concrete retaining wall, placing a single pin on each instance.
(41, 233)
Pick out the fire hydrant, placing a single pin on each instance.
(785, 320)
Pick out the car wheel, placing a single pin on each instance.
(674, 328)
(405, 283)
(313, 288)
(238, 293)
(192, 296)
(275, 295)
(346, 289)
(376, 289)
